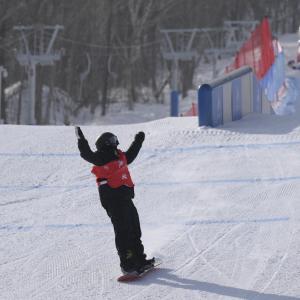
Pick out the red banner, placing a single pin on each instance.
(257, 52)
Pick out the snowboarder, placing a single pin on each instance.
(116, 191)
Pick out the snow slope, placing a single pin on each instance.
(219, 206)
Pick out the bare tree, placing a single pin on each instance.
(108, 52)
(122, 38)
(141, 17)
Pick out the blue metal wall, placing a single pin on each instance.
(245, 95)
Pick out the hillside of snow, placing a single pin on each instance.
(219, 206)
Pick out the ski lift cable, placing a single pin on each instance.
(105, 46)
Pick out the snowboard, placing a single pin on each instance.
(133, 276)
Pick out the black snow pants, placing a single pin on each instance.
(125, 220)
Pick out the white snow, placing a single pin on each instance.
(220, 206)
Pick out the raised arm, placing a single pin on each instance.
(135, 147)
(85, 151)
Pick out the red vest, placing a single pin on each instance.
(115, 172)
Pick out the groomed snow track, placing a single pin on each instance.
(220, 206)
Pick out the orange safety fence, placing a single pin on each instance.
(257, 52)
(192, 112)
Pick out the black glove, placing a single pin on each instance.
(139, 137)
(79, 133)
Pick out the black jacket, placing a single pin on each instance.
(100, 158)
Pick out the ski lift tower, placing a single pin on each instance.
(177, 46)
(36, 47)
(237, 32)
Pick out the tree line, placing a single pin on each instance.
(117, 43)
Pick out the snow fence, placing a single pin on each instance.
(231, 97)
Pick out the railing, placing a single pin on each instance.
(230, 98)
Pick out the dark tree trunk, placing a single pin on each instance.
(107, 57)
(39, 94)
(3, 83)
(187, 69)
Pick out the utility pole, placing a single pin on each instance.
(36, 47)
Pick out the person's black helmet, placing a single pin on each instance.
(106, 140)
